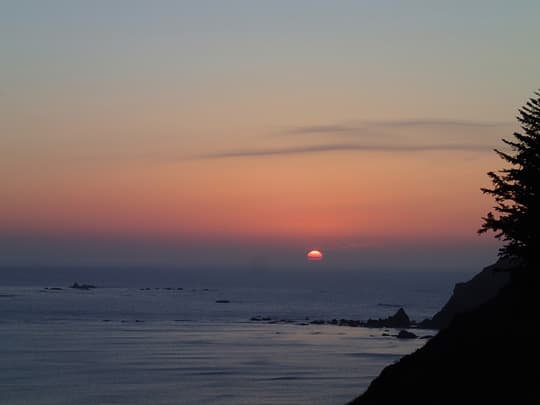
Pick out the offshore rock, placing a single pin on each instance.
(399, 320)
(405, 334)
(82, 286)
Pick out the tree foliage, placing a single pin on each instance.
(515, 219)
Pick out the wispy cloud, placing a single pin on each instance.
(449, 123)
(413, 135)
(322, 129)
(342, 147)
(393, 124)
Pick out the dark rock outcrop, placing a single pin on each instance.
(260, 318)
(405, 334)
(471, 294)
(399, 320)
(82, 286)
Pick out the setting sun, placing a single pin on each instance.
(314, 255)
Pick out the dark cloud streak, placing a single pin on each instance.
(414, 123)
(383, 136)
(322, 129)
(393, 124)
(343, 147)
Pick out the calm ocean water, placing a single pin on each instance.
(174, 344)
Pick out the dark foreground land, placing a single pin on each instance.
(490, 354)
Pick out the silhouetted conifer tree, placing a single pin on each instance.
(516, 190)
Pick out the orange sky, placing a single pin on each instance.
(339, 128)
(308, 198)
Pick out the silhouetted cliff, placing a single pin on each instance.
(488, 355)
(471, 294)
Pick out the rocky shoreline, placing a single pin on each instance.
(400, 320)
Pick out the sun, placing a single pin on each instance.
(314, 255)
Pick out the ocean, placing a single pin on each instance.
(201, 343)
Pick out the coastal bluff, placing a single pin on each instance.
(471, 294)
(484, 355)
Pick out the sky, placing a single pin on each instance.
(227, 135)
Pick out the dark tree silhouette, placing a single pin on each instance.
(516, 190)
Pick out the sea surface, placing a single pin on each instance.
(176, 344)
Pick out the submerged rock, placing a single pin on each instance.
(260, 318)
(405, 334)
(318, 322)
(350, 322)
(82, 286)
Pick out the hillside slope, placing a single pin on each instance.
(488, 355)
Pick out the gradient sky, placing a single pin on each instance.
(209, 134)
